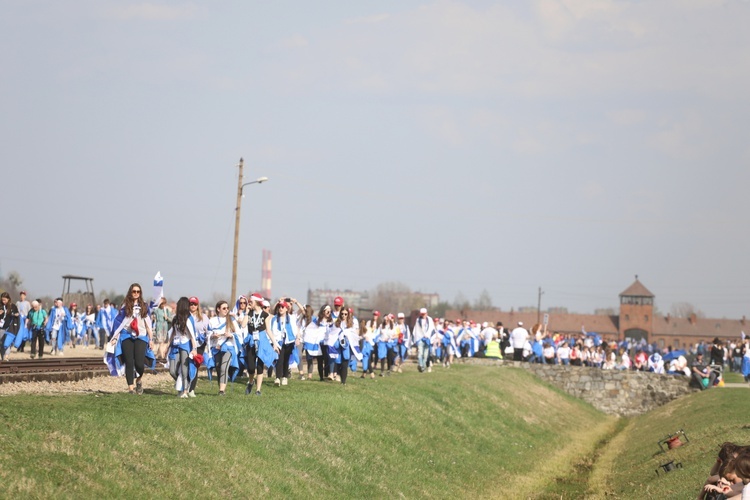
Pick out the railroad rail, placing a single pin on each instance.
(51, 365)
(53, 369)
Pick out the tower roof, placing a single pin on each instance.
(636, 290)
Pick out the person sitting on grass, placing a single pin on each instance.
(730, 474)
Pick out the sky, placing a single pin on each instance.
(452, 146)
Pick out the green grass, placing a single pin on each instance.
(733, 377)
(469, 431)
(627, 467)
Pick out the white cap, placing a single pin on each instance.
(520, 323)
(401, 315)
(485, 324)
(423, 311)
(266, 303)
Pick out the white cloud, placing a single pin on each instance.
(152, 12)
(627, 117)
(376, 18)
(295, 42)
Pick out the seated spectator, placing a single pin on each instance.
(641, 360)
(575, 355)
(549, 354)
(702, 376)
(563, 354)
(624, 360)
(656, 363)
(729, 474)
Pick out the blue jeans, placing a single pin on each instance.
(423, 352)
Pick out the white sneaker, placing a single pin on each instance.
(191, 394)
(277, 382)
(284, 381)
(429, 369)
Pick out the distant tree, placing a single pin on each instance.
(216, 297)
(685, 310)
(11, 284)
(461, 303)
(15, 279)
(439, 310)
(394, 297)
(484, 302)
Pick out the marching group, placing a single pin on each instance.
(271, 339)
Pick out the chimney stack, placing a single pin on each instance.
(693, 318)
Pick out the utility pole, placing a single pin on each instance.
(236, 232)
(240, 187)
(539, 305)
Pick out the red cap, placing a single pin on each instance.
(338, 301)
(284, 303)
(23, 292)
(257, 297)
(376, 313)
(73, 304)
(194, 300)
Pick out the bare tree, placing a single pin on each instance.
(394, 297)
(484, 302)
(685, 310)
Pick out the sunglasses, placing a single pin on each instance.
(242, 303)
(345, 314)
(135, 291)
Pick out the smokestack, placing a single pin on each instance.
(265, 274)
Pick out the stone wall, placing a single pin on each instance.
(615, 392)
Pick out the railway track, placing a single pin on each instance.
(51, 365)
(54, 369)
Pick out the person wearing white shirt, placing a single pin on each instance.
(424, 328)
(518, 338)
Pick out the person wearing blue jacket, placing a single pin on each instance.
(59, 324)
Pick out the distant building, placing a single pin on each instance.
(635, 320)
(356, 300)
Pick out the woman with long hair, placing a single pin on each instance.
(9, 324)
(222, 330)
(199, 322)
(346, 329)
(385, 342)
(77, 330)
(89, 326)
(312, 339)
(133, 338)
(325, 321)
(183, 348)
(285, 333)
(260, 348)
(367, 335)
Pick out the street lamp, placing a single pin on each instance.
(240, 195)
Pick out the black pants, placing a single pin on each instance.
(201, 349)
(282, 365)
(517, 354)
(326, 360)
(250, 357)
(343, 370)
(321, 370)
(37, 338)
(134, 352)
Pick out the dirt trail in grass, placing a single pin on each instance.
(580, 476)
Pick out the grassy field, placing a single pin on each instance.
(626, 467)
(465, 432)
(470, 431)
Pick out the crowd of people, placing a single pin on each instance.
(264, 338)
(705, 368)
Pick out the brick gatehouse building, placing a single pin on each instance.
(636, 320)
